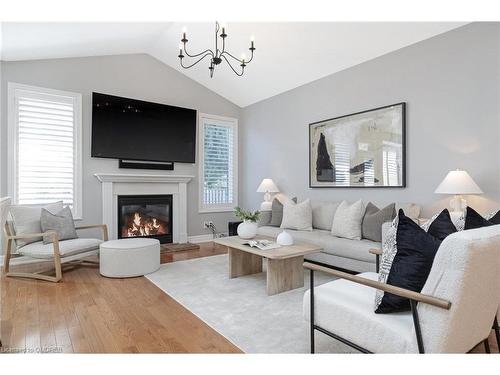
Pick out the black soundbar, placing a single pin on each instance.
(134, 164)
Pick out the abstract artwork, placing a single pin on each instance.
(364, 149)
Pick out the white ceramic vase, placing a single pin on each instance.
(284, 239)
(247, 230)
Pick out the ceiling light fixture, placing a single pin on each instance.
(218, 55)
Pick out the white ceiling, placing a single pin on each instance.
(287, 54)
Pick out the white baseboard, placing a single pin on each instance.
(204, 237)
(200, 238)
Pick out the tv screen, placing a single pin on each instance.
(131, 129)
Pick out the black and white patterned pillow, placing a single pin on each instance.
(389, 250)
(460, 222)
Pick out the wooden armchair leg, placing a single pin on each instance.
(8, 251)
(57, 260)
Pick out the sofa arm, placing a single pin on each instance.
(415, 296)
(104, 228)
(375, 251)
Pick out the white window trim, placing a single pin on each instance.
(12, 128)
(201, 151)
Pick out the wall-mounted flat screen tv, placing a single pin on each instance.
(132, 129)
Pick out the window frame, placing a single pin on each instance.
(12, 137)
(226, 121)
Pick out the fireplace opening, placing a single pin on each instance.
(147, 216)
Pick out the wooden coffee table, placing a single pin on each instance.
(284, 264)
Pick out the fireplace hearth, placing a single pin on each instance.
(147, 216)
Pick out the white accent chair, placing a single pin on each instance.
(456, 307)
(71, 252)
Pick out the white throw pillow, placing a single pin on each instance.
(26, 219)
(297, 216)
(347, 220)
(323, 213)
(410, 210)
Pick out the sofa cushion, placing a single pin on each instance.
(353, 249)
(66, 248)
(62, 223)
(323, 213)
(411, 210)
(347, 220)
(26, 219)
(264, 218)
(277, 210)
(346, 309)
(297, 216)
(371, 227)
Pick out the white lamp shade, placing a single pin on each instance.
(458, 182)
(267, 186)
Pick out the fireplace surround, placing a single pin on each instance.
(147, 216)
(116, 184)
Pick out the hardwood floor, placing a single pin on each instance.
(87, 313)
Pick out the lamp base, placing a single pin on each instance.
(266, 206)
(458, 204)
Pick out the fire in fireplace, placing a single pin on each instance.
(145, 216)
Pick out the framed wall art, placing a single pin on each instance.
(362, 150)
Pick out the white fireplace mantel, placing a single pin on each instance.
(115, 184)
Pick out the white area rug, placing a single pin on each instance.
(240, 309)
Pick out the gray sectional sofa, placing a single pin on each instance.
(338, 252)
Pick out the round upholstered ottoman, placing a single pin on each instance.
(129, 257)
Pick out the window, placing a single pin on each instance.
(44, 146)
(218, 156)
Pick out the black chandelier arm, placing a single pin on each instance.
(239, 60)
(235, 72)
(198, 54)
(196, 62)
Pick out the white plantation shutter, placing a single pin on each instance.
(218, 166)
(45, 127)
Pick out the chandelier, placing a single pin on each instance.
(218, 55)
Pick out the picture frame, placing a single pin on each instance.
(366, 149)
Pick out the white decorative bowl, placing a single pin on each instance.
(284, 239)
(247, 230)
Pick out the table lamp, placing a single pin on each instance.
(457, 183)
(267, 186)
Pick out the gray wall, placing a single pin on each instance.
(135, 76)
(451, 86)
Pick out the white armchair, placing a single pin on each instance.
(71, 251)
(455, 311)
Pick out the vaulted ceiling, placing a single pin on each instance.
(287, 54)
